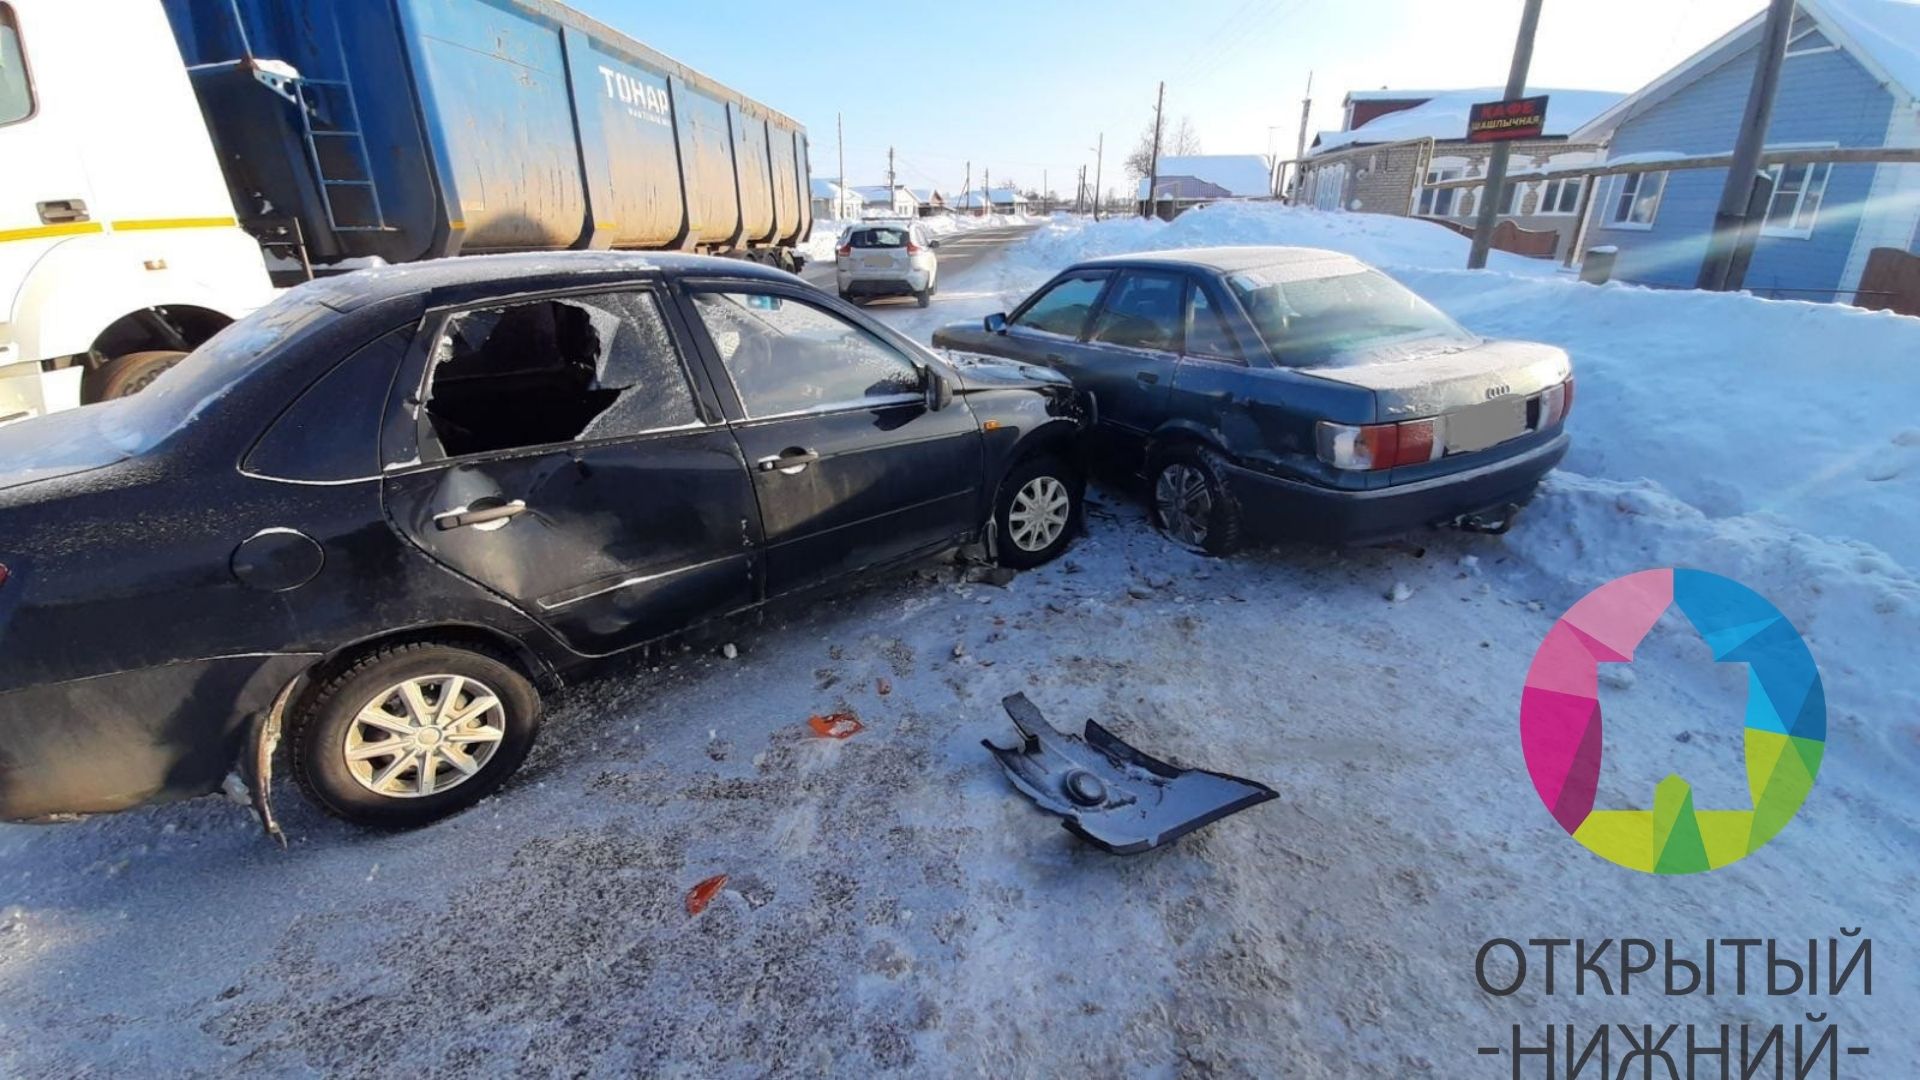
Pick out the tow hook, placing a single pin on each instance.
(1490, 522)
(1112, 795)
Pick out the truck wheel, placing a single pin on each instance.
(1191, 502)
(1037, 511)
(130, 374)
(411, 733)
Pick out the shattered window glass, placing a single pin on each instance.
(551, 371)
(787, 356)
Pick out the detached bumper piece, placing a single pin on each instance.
(1111, 795)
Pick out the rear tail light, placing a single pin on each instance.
(1365, 447)
(843, 250)
(913, 249)
(1555, 403)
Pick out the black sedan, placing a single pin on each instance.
(1289, 391)
(391, 509)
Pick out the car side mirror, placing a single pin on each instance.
(995, 323)
(938, 390)
(933, 245)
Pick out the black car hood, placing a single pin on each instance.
(65, 444)
(995, 373)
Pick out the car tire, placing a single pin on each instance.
(923, 297)
(332, 738)
(1030, 525)
(126, 375)
(1191, 502)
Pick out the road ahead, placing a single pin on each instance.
(958, 252)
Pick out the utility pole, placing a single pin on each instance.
(1099, 162)
(966, 192)
(889, 177)
(1300, 144)
(1153, 168)
(1497, 161)
(1717, 270)
(1043, 192)
(986, 190)
(840, 149)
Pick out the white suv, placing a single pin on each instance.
(886, 258)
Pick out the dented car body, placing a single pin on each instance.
(544, 459)
(1289, 391)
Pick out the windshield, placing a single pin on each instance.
(1344, 319)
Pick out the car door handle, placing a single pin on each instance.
(1147, 377)
(62, 211)
(789, 462)
(477, 514)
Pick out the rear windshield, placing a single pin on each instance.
(1345, 319)
(878, 238)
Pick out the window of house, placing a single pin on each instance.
(16, 91)
(555, 371)
(1063, 309)
(1145, 312)
(1510, 199)
(1797, 193)
(1636, 199)
(1560, 196)
(1206, 331)
(787, 356)
(1439, 203)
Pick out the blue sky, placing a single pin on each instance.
(1022, 88)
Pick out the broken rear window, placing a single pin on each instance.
(553, 371)
(878, 238)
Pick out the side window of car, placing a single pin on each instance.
(789, 356)
(1144, 312)
(331, 432)
(1207, 334)
(554, 371)
(1063, 309)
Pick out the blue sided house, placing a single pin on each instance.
(1850, 79)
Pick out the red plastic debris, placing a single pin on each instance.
(838, 725)
(703, 893)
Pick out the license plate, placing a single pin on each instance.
(1477, 427)
(877, 262)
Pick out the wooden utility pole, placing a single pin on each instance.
(840, 182)
(1043, 192)
(1720, 270)
(890, 189)
(1489, 207)
(1099, 161)
(986, 191)
(967, 191)
(1149, 208)
(1300, 144)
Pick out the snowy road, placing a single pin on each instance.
(893, 909)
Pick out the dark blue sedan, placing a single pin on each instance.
(1289, 392)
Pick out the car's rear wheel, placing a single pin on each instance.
(1037, 511)
(923, 297)
(412, 733)
(1191, 502)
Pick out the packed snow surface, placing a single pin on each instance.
(892, 908)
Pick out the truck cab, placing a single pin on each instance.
(119, 247)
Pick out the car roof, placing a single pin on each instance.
(524, 271)
(1305, 261)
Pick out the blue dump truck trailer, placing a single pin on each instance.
(415, 129)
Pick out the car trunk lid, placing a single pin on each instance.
(1479, 387)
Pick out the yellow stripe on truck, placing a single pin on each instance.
(65, 228)
(140, 224)
(77, 228)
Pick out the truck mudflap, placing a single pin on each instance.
(1112, 795)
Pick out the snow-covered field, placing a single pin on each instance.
(893, 908)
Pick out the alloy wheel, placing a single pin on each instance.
(1184, 502)
(1039, 513)
(424, 736)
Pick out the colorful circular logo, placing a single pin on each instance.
(1786, 721)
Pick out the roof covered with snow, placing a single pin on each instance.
(825, 189)
(1242, 176)
(878, 193)
(1883, 35)
(1444, 116)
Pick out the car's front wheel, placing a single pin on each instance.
(411, 733)
(1191, 503)
(1037, 511)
